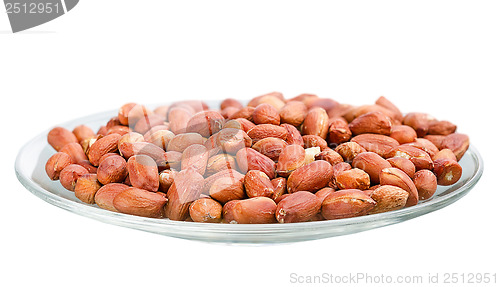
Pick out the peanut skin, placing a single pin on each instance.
(270, 160)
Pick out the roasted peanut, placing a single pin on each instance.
(258, 184)
(426, 183)
(58, 137)
(205, 210)
(346, 203)
(56, 163)
(300, 206)
(257, 210)
(275, 160)
(86, 187)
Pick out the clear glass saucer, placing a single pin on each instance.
(30, 170)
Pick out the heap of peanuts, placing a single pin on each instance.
(273, 160)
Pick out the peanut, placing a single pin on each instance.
(272, 161)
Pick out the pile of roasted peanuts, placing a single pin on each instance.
(274, 160)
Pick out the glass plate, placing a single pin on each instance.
(30, 170)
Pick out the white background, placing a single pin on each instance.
(441, 57)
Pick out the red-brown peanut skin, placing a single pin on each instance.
(426, 183)
(181, 141)
(442, 128)
(291, 158)
(372, 164)
(76, 152)
(418, 157)
(397, 177)
(403, 134)
(205, 210)
(146, 123)
(311, 177)
(230, 102)
(258, 184)
(102, 146)
(256, 210)
(349, 150)
(437, 140)
(337, 169)
(315, 141)
(403, 164)
(206, 123)
(86, 187)
(170, 159)
(384, 102)
(379, 144)
(227, 188)
(195, 156)
(339, 131)
(281, 197)
(112, 122)
(187, 187)
(106, 194)
(160, 138)
(121, 130)
(279, 186)
(354, 178)
(330, 156)
(56, 163)
(354, 112)
(229, 111)
(245, 124)
(133, 108)
(325, 103)
(316, 123)
(293, 113)
(88, 166)
(105, 157)
(231, 140)
(458, 143)
(324, 193)
(244, 113)
(112, 169)
(166, 178)
(293, 135)
(136, 148)
(231, 173)
(275, 99)
(266, 114)
(373, 123)
(131, 137)
(58, 137)
(270, 147)
(346, 203)
(70, 174)
(162, 111)
(143, 172)
(83, 132)
(419, 122)
(179, 118)
(140, 202)
(300, 206)
(193, 105)
(445, 154)
(447, 171)
(267, 130)
(425, 145)
(250, 159)
(388, 198)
